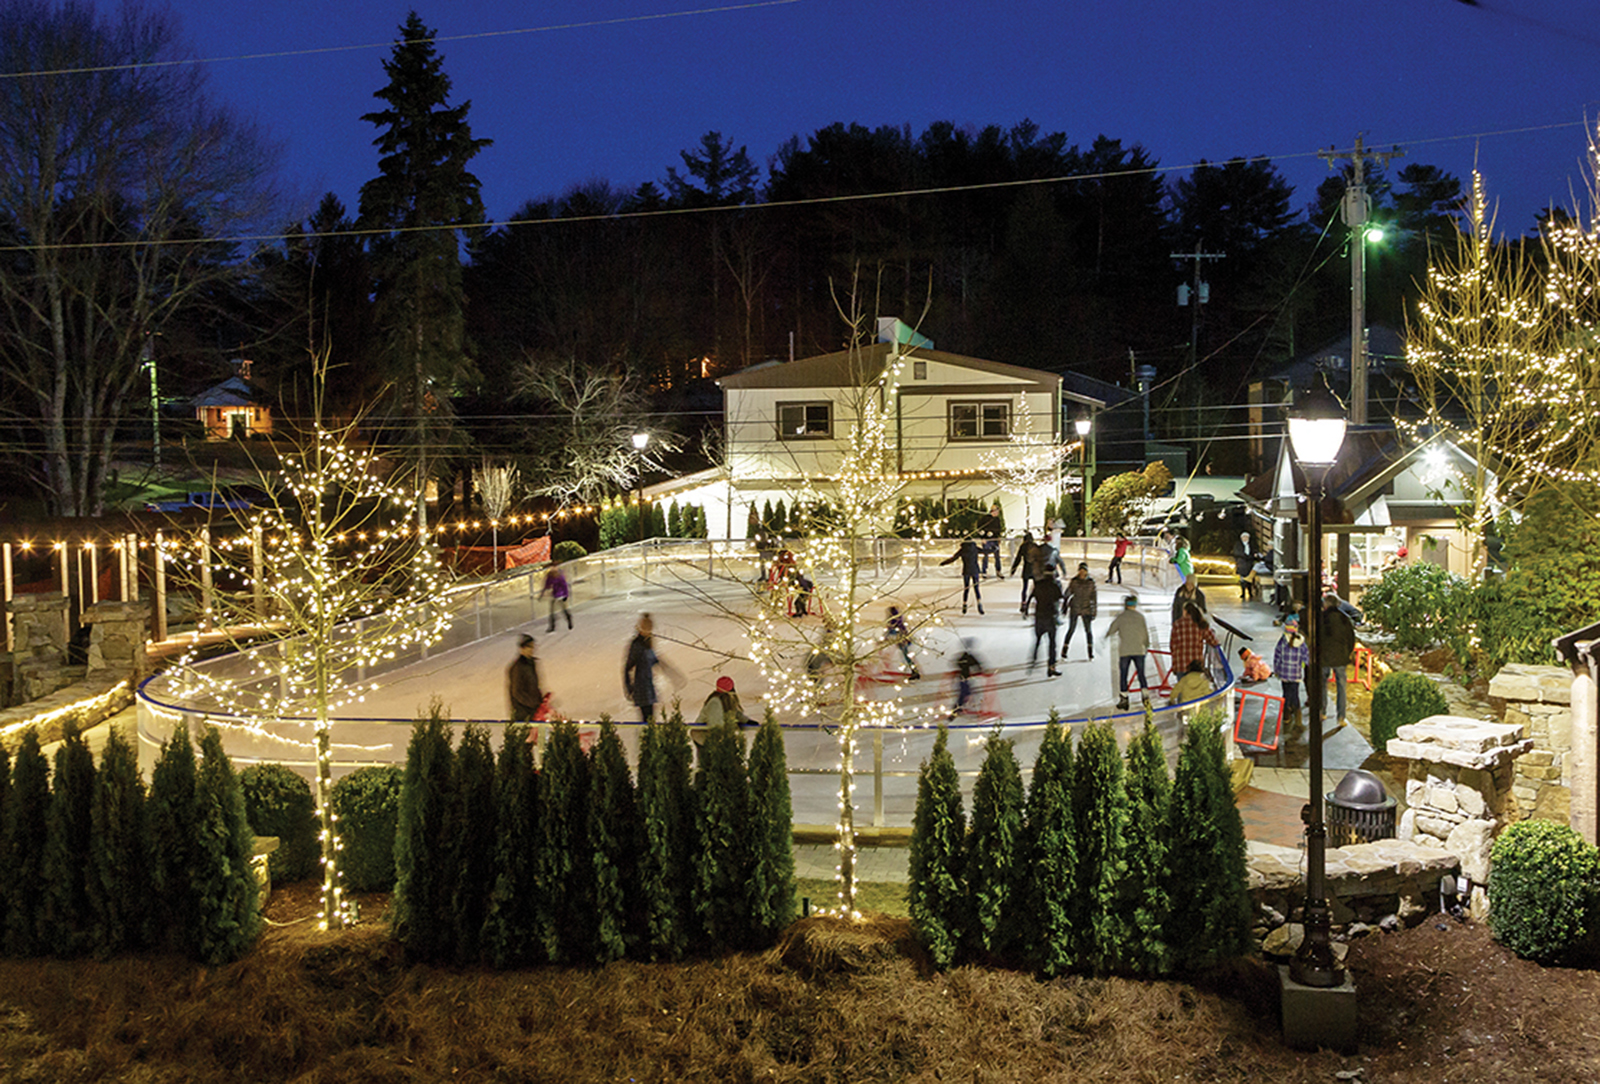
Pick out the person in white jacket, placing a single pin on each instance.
(1133, 639)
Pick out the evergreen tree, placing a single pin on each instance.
(472, 839)
(424, 879)
(1052, 858)
(423, 191)
(675, 522)
(67, 921)
(994, 855)
(227, 897)
(752, 522)
(1145, 899)
(658, 521)
(614, 833)
(1209, 881)
(566, 920)
(175, 826)
(937, 892)
(722, 852)
(666, 807)
(27, 830)
(508, 932)
(771, 834)
(119, 851)
(780, 520)
(1099, 826)
(769, 526)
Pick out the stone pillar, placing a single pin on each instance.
(1584, 765)
(1459, 789)
(117, 635)
(40, 655)
(1539, 699)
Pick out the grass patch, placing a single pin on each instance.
(885, 897)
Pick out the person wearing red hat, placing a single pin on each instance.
(723, 706)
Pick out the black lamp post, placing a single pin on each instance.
(1083, 424)
(1316, 432)
(639, 441)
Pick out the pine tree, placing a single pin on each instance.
(508, 930)
(614, 833)
(994, 858)
(423, 875)
(752, 523)
(566, 921)
(27, 830)
(175, 826)
(937, 892)
(780, 520)
(119, 853)
(658, 521)
(1099, 825)
(1209, 881)
(1145, 899)
(1052, 858)
(67, 919)
(771, 834)
(423, 191)
(472, 839)
(769, 526)
(675, 521)
(722, 853)
(227, 897)
(666, 807)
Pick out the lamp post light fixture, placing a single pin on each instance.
(1083, 424)
(1316, 432)
(639, 441)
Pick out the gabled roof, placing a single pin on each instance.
(232, 392)
(1385, 345)
(852, 368)
(1369, 460)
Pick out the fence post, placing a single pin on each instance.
(877, 777)
(710, 556)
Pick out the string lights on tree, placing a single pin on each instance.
(1028, 463)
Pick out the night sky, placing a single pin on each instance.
(1507, 83)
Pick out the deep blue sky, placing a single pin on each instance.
(1506, 81)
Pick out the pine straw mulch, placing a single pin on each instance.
(831, 1002)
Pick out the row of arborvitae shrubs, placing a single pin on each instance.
(1104, 866)
(575, 862)
(92, 863)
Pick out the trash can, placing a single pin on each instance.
(1359, 810)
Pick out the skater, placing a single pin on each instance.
(1182, 559)
(967, 667)
(638, 670)
(723, 706)
(1133, 636)
(1082, 604)
(898, 635)
(1336, 642)
(1290, 659)
(1117, 554)
(1252, 666)
(1024, 560)
(1187, 594)
(967, 554)
(1191, 634)
(1046, 615)
(555, 585)
(527, 695)
(990, 529)
(1193, 685)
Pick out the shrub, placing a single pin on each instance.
(994, 850)
(1544, 882)
(1553, 583)
(721, 862)
(175, 826)
(1402, 699)
(666, 808)
(566, 918)
(772, 833)
(367, 803)
(513, 904)
(937, 892)
(119, 859)
(420, 910)
(223, 880)
(567, 550)
(65, 927)
(471, 832)
(1051, 859)
(24, 847)
(1099, 828)
(278, 802)
(1145, 888)
(613, 841)
(1419, 604)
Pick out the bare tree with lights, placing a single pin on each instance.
(1027, 462)
(496, 485)
(346, 582)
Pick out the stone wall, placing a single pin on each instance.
(1539, 700)
(39, 659)
(118, 632)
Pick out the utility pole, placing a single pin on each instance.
(148, 356)
(1199, 295)
(1357, 207)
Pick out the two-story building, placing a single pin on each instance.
(954, 424)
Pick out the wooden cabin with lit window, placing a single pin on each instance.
(234, 408)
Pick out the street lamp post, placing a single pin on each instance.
(1316, 432)
(639, 442)
(1083, 424)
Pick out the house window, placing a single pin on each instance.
(919, 370)
(805, 421)
(990, 420)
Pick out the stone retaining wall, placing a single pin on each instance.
(1539, 700)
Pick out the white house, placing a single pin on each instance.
(953, 421)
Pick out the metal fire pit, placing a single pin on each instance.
(1359, 810)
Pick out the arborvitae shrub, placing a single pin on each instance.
(1145, 885)
(472, 832)
(1401, 699)
(674, 521)
(567, 550)
(937, 893)
(24, 848)
(424, 878)
(771, 834)
(566, 920)
(1099, 826)
(66, 927)
(367, 803)
(994, 858)
(1046, 920)
(175, 826)
(1208, 880)
(666, 809)
(722, 854)
(781, 521)
(752, 523)
(278, 802)
(228, 900)
(1544, 883)
(658, 521)
(613, 840)
(508, 932)
(119, 854)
